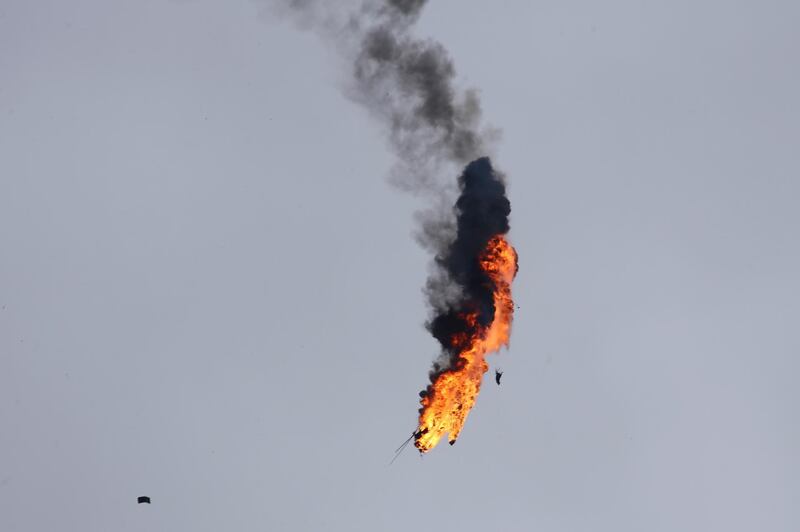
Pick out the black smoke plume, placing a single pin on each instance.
(482, 211)
(408, 83)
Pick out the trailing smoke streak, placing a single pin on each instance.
(408, 84)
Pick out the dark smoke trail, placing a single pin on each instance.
(408, 83)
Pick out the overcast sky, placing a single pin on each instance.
(211, 295)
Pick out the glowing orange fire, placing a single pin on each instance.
(452, 395)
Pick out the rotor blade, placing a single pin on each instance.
(405, 442)
(400, 449)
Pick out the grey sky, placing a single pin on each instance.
(201, 266)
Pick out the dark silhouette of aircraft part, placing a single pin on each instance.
(143, 499)
(497, 375)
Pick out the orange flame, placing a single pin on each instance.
(453, 394)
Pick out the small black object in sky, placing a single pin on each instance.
(143, 499)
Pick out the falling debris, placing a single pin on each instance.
(497, 375)
(144, 499)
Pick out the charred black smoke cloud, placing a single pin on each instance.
(408, 83)
(482, 212)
